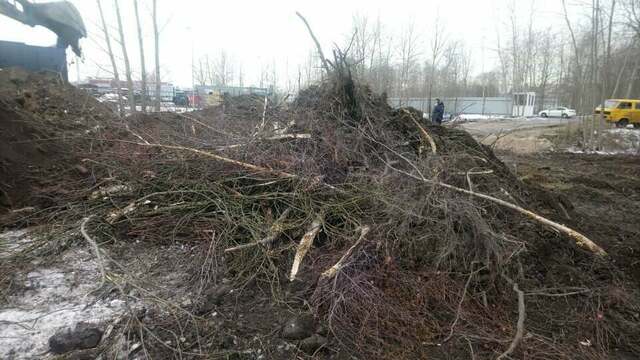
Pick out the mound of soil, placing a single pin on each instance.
(45, 126)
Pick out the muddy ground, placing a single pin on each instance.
(603, 190)
(602, 187)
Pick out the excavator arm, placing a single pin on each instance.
(61, 17)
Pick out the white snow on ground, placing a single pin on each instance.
(55, 297)
(615, 141)
(13, 242)
(477, 117)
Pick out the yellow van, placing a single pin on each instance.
(622, 112)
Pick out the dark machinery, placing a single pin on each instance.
(61, 17)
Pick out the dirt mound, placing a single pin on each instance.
(401, 238)
(45, 125)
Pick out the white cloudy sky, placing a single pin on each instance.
(257, 32)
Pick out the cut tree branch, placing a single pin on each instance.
(332, 271)
(305, 245)
(423, 131)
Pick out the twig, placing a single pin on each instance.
(264, 116)
(276, 137)
(305, 245)
(274, 231)
(96, 249)
(459, 311)
(278, 173)
(256, 168)
(521, 317)
(331, 272)
(424, 132)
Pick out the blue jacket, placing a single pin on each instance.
(438, 111)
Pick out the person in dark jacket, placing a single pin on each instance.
(438, 112)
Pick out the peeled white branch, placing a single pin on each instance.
(332, 271)
(423, 131)
(305, 245)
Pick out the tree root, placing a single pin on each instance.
(521, 317)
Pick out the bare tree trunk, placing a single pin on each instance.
(605, 73)
(143, 67)
(621, 72)
(112, 58)
(574, 43)
(594, 71)
(127, 67)
(156, 33)
(632, 79)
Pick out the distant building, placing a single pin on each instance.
(109, 85)
(210, 95)
(232, 90)
(519, 104)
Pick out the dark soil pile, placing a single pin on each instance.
(421, 270)
(45, 126)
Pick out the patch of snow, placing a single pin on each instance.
(476, 117)
(574, 150)
(615, 142)
(14, 241)
(54, 298)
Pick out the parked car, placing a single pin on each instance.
(560, 111)
(621, 112)
(111, 98)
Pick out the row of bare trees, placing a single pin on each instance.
(591, 55)
(131, 95)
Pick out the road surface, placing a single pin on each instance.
(518, 135)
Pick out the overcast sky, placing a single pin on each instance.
(258, 33)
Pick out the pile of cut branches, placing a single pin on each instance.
(409, 240)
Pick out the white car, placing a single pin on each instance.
(111, 98)
(560, 111)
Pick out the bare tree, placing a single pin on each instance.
(156, 35)
(127, 66)
(114, 65)
(408, 54)
(143, 68)
(437, 44)
(628, 52)
(223, 69)
(576, 56)
(544, 65)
